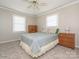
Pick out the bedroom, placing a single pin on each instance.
(67, 21)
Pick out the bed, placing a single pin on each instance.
(36, 44)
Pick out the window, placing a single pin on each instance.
(52, 20)
(18, 23)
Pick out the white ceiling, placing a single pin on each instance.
(21, 5)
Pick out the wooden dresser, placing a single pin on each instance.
(67, 39)
(32, 28)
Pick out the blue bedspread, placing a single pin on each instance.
(37, 40)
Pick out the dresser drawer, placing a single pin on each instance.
(66, 36)
(66, 40)
(67, 44)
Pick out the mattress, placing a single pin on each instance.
(43, 49)
(37, 40)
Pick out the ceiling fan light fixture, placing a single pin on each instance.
(35, 4)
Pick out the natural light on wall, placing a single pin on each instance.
(18, 23)
(52, 21)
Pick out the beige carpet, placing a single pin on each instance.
(12, 50)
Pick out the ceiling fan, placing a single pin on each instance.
(35, 4)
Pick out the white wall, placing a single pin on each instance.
(68, 17)
(6, 32)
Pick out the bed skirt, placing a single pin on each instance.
(43, 49)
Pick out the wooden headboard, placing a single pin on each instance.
(32, 28)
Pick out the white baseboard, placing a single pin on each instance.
(9, 41)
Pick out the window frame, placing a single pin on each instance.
(51, 16)
(13, 23)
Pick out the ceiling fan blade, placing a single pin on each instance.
(43, 4)
(28, 1)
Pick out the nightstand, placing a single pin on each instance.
(67, 39)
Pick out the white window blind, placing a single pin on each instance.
(52, 21)
(18, 23)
